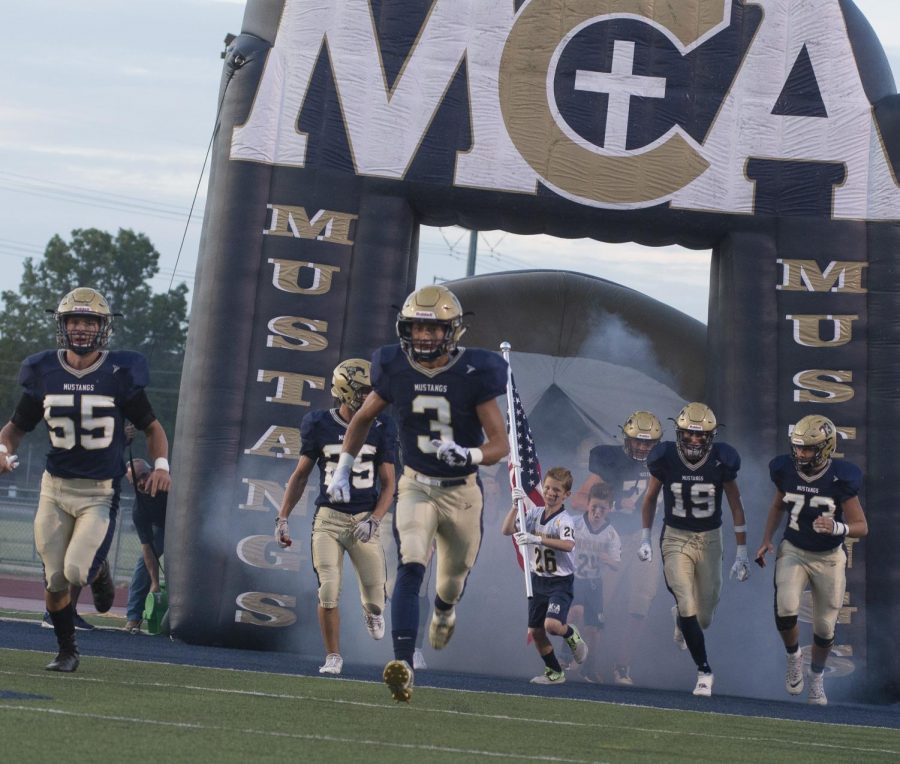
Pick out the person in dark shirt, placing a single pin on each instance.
(818, 497)
(149, 518)
(444, 399)
(83, 392)
(350, 527)
(694, 472)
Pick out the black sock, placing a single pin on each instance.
(64, 627)
(693, 637)
(816, 668)
(569, 632)
(439, 604)
(551, 662)
(404, 644)
(792, 649)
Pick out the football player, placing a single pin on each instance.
(352, 526)
(84, 392)
(818, 497)
(444, 398)
(693, 472)
(548, 542)
(598, 549)
(624, 469)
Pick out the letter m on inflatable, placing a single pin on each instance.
(765, 131)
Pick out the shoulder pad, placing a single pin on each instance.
(849, 474)
(778, 465)
(132, 363)
(729, 456)
(31, 366)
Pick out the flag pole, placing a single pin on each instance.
(505, 347)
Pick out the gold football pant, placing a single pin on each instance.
(73, 527)
(450, 516)
(692, 564)
(824, 573)
(332, 535)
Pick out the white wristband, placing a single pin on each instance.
(740, 528)
(840, 529)
(3, 449)
(161, 463)
(476, 456)
(645, 535)
(346, 460)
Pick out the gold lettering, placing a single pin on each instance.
(325, 225)
(260, 491)
(265, 609)
(823, 386)
(303, 339)
(264, 552)
(286, 276)
(277, 442)
(842, 276)
(289, 389)
(807, 330)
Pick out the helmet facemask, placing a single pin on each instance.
(85, 302)
(817, 433)
(642, 431)
(693, 451)
(695, 419)
(431, 306)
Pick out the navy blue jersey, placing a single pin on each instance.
(438, 403)
(83, 409)
(805, 498)
(628, 478)
(322, 439)
(692, 493)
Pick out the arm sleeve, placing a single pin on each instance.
(29, 411)
(138, 410)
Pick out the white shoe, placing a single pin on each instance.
(817, 689)
(704, 684)
(419, 660)
(793, 678)
(442, 624)
(398, 676)
(374, 624)
(678, 637)
(333, 664)
(622, 675)
(578, 646)
(550, 677)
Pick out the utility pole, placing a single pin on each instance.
(473, 253)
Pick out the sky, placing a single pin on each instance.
(106, 112)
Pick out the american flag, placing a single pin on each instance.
(528, 459)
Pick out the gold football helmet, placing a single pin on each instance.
(83, 301)
(430, 305)
(695, 419)
(813, 431)
(351, 382)
(642, 431)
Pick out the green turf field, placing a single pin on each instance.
(119, 710)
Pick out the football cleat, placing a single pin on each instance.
(550, 677)
(374, 625)
(66, 661)
(333, 664)
(81, 624)
(442, 624)
(703, 688)
(622, 675)
(793, 678)
(419, 660)
(398, 676)
(578, 646)
(677, 636)
(103, 589)
(46, 623)
(816, 695)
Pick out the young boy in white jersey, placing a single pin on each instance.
(548, 542)
(598, 549)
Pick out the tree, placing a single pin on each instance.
(120, 268)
